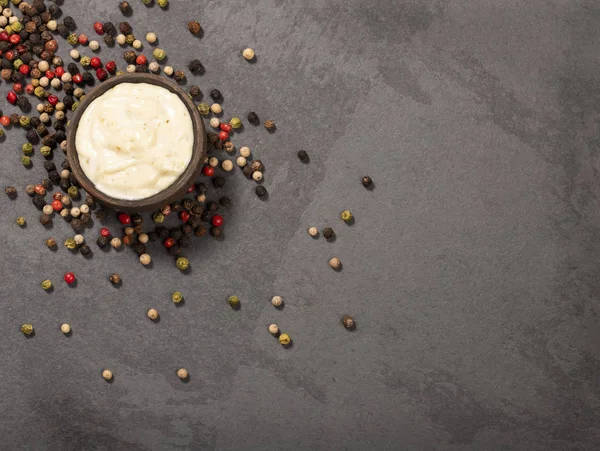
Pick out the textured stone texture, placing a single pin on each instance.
(472, 268)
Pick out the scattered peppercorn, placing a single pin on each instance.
(335, 263)
(313, 231)
(27, 329)
(65, 329)
(195, 91)
(125, 8)
(163, 3)
(303, 156)
(145, 259)
(115, 279)
(234, 302)
(248, 54)
(182, 263)
(261, 191)
(277, 301)
(51, 243)
(328, 233)
(47, 284)
(274, 330)
(346, 216)
(107, 375)
(183, 374)
(21, 221)
(11, 192)
(285, 340)
(153, 314)
(269, 125)
(194, 27)
(367, 182)
(348, 322)
(179, 76)
(176, 297)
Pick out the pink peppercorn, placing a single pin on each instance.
(223, 136)
(124, 218)
(217, 220)
(96, 62)
(99, 28)
(184, 216)
(77, 78)
(101, 74)
(24, 69)
(59, 71)
(11, 97)
(104, 232)
(111, 66)
(52, 99)
(69, 278)
(82, 39)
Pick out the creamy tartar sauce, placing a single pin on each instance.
(134, 140)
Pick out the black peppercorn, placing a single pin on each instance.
(85, 250)
(69, 23)
(72, 68)
(47, 140)
(257, 165)
(62, 30)
(225, 201)
(216, 232)
(139, 249)
(41, 130)
(38, 201)
(185, 241)
(69, 88)
(188, 204)
(101, 215)
(187, 229)
(76, 225)
(11, 191)
(45, 219)
(179, 76)
(26, 58)
(90, 202)
(88, 78)
(54, 177)
(218, 181)
(68, 101)
(206, 216)
(176, 207)
(15, 119)
(86, 219)
(6, 64)
(23, 103)
(197, 210)
(46, 36)
(125, 8)
(65, 165)
(367, 182)
(247, 171)
(54, 10)
(200, 188)
(46, 183)
(348, 322)
(195, 91)
(38, 48)
(216, 95)
(175, 233)
(253, 118)
(102, 241)
(303, 156)
(196, 67)
(39, 6)
(125, 28)
(32, 137)
(152, 237)
(141, 68)
(115, 279)
(211, 205)
(261, 191)
(129, 56)
(109, 29)
(109, 40)
(137, 219)
(58, 125)
(35, 121)
(328, 233)
(64, 184)
(162, 232)
(200, 231)
(30, 190)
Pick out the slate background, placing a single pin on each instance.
(472, 268)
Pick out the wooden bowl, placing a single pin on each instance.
(166, 196)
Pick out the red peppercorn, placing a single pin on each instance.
(49, 74)
(69, 278)
(14, 39)
(9, 55)
(223, 136)
(184, 216)
(18, 88)
(124, 218)
(39, 189)
(52, 99)
(21, 49)
(208, 171)
(96, 62)
(57, 205)
(99, 28)
(104, 232)
(59, 71)
(217, 220)
(82, 39)
(191, 189)
(111, 66)
(225, 127)
(4, 36)
(29, 89)
(57, 196)
(77, 78)
(5, 121)
(169, 242)
(141, 59)
(101, 74)
(24, 69)
(11, 97)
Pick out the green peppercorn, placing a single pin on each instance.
(158, 217)
(347, 216)
(85, 61)
(72, 39)
(73, 192)
(21, 221)
(46, 151)
(285, 340)
(17, 27)
(234, 302)
(17, 63)
(204, 109)
(75, 105)
(176, 297)
(39, 92)
(1, 133)
(70, 243)
(163, 3)
(235, 122)
(26, 161)
(27, 329)
(129, 38)
(159, 54)
(27, 148)
(182, 263)
(47, 284)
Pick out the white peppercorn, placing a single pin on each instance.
(74, 53)
(121, 39)
(79, 239)
(3, 21)
(151, 38)
(143, 238)
(85, 208)
(56, 83)
(241, 162)
(277, 301)
(273, 329)
(65, 174)
(60, 106)
(65, 329)
(153, 314)
(75, 212)
(43, 66)
(130, 68)
(248, 54)
(213, 162)
(52, 24)
(66, 77)
(153, 67)
(47, 209)
(145, 259)
(7, 12)
(40, 106)
(215, 122)
(107, 375)
(201, 198)
(94, 45)
(182, 373)
(44, 81)
(245, 151)
(66, 201)
(257, 176)
(335, 263)
(115, 243)
(168, 70)
(313, 231)
(59, 115)
(216, 108)
(227, 165)
(137, 44)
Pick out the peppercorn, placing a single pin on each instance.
(109, 28)
(153, 314)
(218, 181)
(234, 302)
(204, 109)
(125, 28)
(26, 161)
(32, 137)
(47, 284)
(77, 225)
(73, 192)
(348, 322)
(45, 219)
(195, 91)
(175, 233)
(176, 297)
(109, 40)
(129, 56)
(102, 241)
(303, 156)
(248, 54)
(27, 329)
(367, 182)
(274, 330)
(163, 3)
(24, 105)
(182, 263)
(347, 216)
(285, 340)
(200, 231)
(51, 243)
(335, 263)
(194, 27)
(246, 170)
(182, 373)
(115, 279)
(85, 250)
(65, 328)
(145, 259)
(11, 192)
(328, 233)
(107, 375)
(253, 118)
(21, 221)
(216, 95)
(70, 243)
(277, 301)
(196, 67)
(159, 54)
(269, 125)
(125, 8)
(225, 201)
(216, 232)
(179, 76)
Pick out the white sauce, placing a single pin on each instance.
(134, 140)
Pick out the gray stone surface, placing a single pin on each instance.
(472, 268)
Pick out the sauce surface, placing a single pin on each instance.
(134, 140)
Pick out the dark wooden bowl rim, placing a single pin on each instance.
(168, 195)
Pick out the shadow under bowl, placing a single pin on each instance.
(169, 194)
